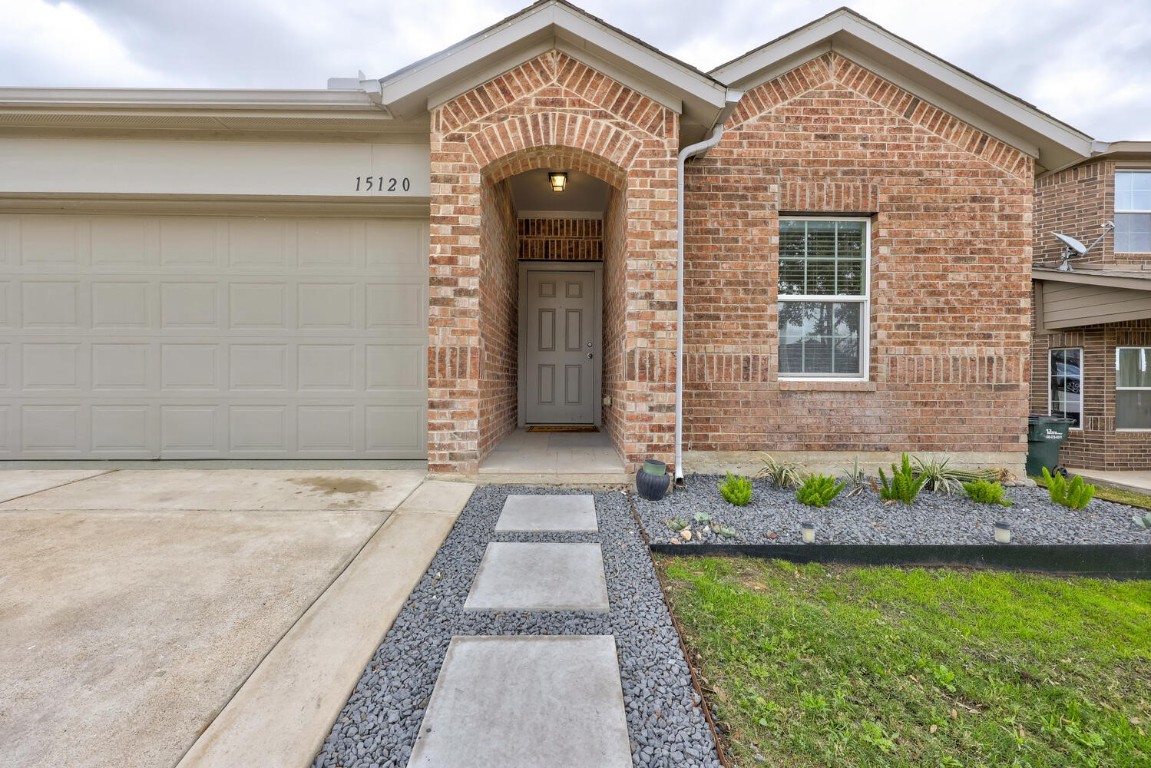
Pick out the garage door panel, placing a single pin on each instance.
(327, 429)
(123, 241)
(398, 307)
(259, 367)
(190, 305)
(51, 304)
(52, 429)
(52, 242)
(190, 367)
(121, 305)
(52, 366)
(209, 337)
(122, 429)
(327, 367)
(262, 243)
(260, 429)
(191, 431)
(123, 367)
(191, 242)
(327, 306)
(392, 431)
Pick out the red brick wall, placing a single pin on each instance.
(1075, 201)
(951, 212)
(499, 334)
(561, 239)
(1097, 445)
(614, 314)
(551, 112)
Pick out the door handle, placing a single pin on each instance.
(589, 355)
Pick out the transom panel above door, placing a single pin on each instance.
(560, 368)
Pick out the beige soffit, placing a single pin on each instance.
(553, 24)
(1054, 144)
(196, 110)
(1101, 148)
(1107, 278)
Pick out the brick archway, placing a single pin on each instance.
(479, 140)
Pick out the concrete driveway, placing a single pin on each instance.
(137, 604)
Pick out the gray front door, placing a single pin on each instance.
(562, 346)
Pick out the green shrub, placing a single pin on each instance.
(1073, 494)
(783, 474)
(736, 489)
(904, 484)
(855, 478)
(944, 479)
(986, 492)
(818, 490)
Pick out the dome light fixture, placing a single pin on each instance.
(558, 180)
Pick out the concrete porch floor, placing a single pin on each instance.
(558, 458)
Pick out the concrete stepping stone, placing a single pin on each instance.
(539, 577)
(526, 702)
(547, 513)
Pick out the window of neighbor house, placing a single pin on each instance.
(823, 297)
(1133, 388)
(1065, 379)
(1133, 212)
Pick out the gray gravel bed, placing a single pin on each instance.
(378, 725)
(774, 517)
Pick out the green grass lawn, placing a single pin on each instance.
(834, 666)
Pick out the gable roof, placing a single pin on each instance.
(1053, 143)
(556, 24)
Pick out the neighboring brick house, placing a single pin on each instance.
(1092, 343)
(381, 270)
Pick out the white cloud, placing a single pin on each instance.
(1046, 52)
(59, 45)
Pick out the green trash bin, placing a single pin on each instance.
(1044, 436)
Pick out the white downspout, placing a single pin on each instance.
(692, 150)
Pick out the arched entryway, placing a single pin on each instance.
(552, 113)
(551, 324)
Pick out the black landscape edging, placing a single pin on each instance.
(1111, 561)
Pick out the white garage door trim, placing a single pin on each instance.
(189, 334)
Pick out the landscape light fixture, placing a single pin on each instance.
(558, 180)
(1072, 247)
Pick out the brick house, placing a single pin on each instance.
(1093, 313)
(383, 270)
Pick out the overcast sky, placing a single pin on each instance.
(1087, 62)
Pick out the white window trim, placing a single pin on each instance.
(1127, 389)
(864, 300)
(1082, 393)
(1118, 211)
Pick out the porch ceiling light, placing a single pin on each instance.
(558, 180)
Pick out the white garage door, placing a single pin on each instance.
(212, 337)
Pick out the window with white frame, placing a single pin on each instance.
(1133, 388)
(1133, 212)
(823, 297)
(1065, 380)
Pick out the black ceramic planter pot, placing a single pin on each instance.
(652, 481)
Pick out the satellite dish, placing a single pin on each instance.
(1074, 245)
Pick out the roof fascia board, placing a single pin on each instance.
(85, 99)
(478, 77)
(447, 75)
(869, 45)
(1101, 148)
(1126, 280)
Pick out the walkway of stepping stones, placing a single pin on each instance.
(512, 701)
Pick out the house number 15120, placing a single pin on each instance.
(382, 184)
